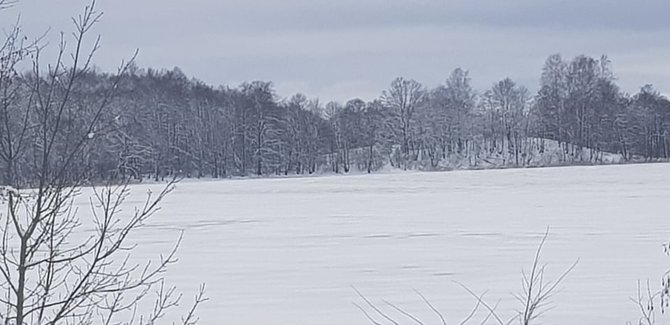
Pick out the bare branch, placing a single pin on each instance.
(483, 303)
(377, 310)
(190, 318)
(408, 315)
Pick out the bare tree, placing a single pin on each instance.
(403, 98)
(50, 275)
(506, 106)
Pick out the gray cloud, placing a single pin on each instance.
(321, 14)
(342, 49)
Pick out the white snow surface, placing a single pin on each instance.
(288, 251)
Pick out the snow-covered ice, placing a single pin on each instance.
(288, 251)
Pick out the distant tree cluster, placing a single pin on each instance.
(161, 124)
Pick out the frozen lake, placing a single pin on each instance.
(288, 251)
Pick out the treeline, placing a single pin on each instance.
(159, 124)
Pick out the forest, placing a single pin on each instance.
(161, 123)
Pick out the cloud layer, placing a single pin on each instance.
(344, 49)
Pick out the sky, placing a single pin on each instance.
(338, 50)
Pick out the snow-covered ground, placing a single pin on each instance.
(288, 251)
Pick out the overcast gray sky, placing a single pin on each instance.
(354, 48)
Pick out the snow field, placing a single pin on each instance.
(288, 251)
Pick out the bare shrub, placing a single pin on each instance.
(534, 299)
